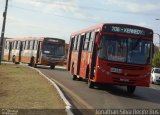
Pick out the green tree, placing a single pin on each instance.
(156, 60)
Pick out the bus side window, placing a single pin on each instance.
(86, 41)
(18, 45)
(31, 45)
(92, 37)
(6, 43)
(71, 44)
(78, 42)
(14, 44)
(35, 45)
(75, 43)
(26, 45)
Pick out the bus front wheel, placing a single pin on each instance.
(52, 66)
(13, 58)
(131, 89)
(74, 77)
(90, 84)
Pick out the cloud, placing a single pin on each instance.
(63, 8)
(134, 6)
(52, 5)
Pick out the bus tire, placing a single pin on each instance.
(74, 77)
(32, 62)
(130, 89)
(87, 72)
(35, 65)
(79, 79)
(52, 66)
(72, 69)
(13, 58)
(90, 84)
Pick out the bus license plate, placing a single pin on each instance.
(124, 80)
(116, 70)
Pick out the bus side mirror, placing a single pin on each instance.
(153, 50)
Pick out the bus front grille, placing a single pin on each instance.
(127, 67)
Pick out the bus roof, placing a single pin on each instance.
(31, 38)
(99, 27)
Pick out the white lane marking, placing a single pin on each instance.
(68, 105)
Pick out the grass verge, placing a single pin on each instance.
(24, 88)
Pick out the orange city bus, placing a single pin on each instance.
(35, 51)
(117, 54)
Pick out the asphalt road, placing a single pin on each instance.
(109, 97)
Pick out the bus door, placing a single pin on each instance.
(20, 51)
(38, 52)
(10, 51)
(93, 53)
(70, 53)
(79, 48)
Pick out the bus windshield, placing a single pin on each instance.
(123, 49)
(57, 50)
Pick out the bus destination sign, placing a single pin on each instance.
(127, 30)
(53, 40)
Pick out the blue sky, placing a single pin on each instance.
(59, 18)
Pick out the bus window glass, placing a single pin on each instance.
(6, 43)
(128, 50)
(75, 43)
(24, 44)
(86, 41)
(35, 45)
(72, 45)
(31, 45)
(139, 51)
(14, 44)
(18, 45)
(28, 45)
(113, 49)
(78, 43)
(91, 41)
(55, 50)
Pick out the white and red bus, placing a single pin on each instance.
(117, 54)
(35, 51)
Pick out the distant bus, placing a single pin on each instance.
(35, 51)
(117, 54)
